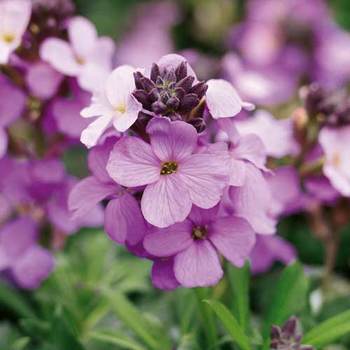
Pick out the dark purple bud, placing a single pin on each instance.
(189, 102)
(199, 89)
(141, 96)
(181, 71)
(170, 76)
(199, 124)
(290, 327)
(288, 337)
(147, 84)
(155, 72)
(138, 80)
(159, 107)
(173, 103)
(180, 93)
(185, 83)
(153, 95)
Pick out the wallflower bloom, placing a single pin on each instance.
(86, 56)
(124, 222)
(114, 106)
(175, 172)
(336, 143)
(197, 243)
(28, 263)
(276, 135)
(14, 19)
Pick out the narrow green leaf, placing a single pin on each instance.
(131, 317)
(116, 339)
(329, 330)
(287, 298)
(239, 282)
(231, 324)
(12, 299)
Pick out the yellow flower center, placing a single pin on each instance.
(199, 232)
(8, 38)
(168, 168)
(336, 160)
(121, 108)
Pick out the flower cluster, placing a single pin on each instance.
(47, 73)
(179, 195)
(280, 43)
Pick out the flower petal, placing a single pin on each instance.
(98, 159)
(205, 176)
(253, 201)
(119, 85)
(163, 276)
(90, 136)
(123, 121)
(169, 241)
(233, 237)
(86, 194)
(172, 141)
(132, 163)
(166, 202)
(33, 267)
(60, 55)
(124, 221)
(198, 266)
(82, 35)
(3, 142)
(223, 100)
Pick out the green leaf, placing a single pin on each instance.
(231, 324)
(288, 297)
(131, 317)
(116, 339)
(329, 330)
(15, 301)
(239, 282)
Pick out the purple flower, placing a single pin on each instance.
(14, 19)
(66, 112)
(12, 102)
(86, 56)
(197, 243)
(276, 135)
(175, 172)
(335, 143)
(42, 80)
(28, 263)
(269, 249)
(124, 222)
(150, 35)
(114, 106)
(266, 86)
(3, 142)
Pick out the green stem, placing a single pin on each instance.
(208, 320)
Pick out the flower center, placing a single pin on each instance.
(8, 38)
(199, 232)
(336, 160)
(168, 168)
(121, 108)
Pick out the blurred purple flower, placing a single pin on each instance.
(86, 56)
(20, 253)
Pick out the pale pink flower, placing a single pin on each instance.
(114, 106)
(14, 19)
(86, 56)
